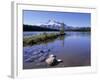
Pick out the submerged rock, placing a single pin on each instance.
(42, 55)
(37, 56)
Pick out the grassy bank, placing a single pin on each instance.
(40, 38)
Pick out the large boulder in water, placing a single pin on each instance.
(52, 60)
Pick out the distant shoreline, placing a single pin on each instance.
(38, 28)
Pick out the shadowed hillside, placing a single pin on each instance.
(36, 28)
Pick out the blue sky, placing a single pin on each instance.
(69, 18)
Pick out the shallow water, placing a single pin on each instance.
(74, 49)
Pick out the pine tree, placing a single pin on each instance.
(62, 31)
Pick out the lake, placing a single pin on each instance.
(74, 49)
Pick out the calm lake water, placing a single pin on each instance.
(74, 49)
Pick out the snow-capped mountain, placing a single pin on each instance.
(52, 24)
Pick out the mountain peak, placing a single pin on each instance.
(53, 22)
